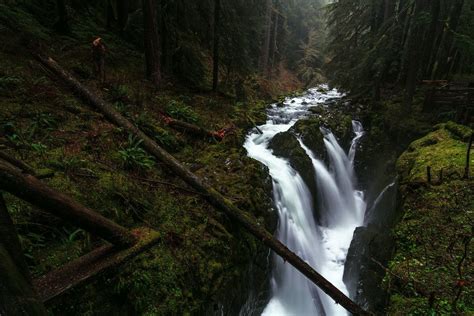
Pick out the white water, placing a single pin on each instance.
(323, 245)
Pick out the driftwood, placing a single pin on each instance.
(211, 195)
(32, 190)
(92, 265)
(17, 295)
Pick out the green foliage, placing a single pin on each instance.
(69, 164)
(20, 20)
(380, 44)
(39, 148)
(145, 122)
(135, 157)
(180, 111)
(9, 83)
(119, 93)
(428, 272)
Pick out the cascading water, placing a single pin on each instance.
(323, 245)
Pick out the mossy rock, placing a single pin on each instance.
(309, 131)
(286, 145)
(460, 131)
(440, 150)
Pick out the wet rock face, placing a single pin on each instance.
(370, 251)
(310, 130)
(286, 145)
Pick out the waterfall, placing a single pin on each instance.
(323, 245)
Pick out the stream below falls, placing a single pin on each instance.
(324, 243)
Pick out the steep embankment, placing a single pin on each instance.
(202, 254)
(432, 269)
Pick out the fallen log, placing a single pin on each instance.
(188, 127)
(17, 295)
(92, 265)
(17, 163)
(212, 196)
(32, 190)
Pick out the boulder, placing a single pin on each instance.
(369, 253)
(286, 145)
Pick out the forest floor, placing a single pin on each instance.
(202, 253)
(432, 270)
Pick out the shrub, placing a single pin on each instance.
(134, 157)
(180, 111)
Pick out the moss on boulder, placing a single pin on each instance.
(429, 274)
(440, 150)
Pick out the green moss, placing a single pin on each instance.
(428, 271)
(439, 150)
(461, 131)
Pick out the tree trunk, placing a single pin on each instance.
(275, 40)
(32, 190)
(110, 13)
(266, 40)
(414, 54)
(122, 14)
(191, 128)
(62, 25)
(215, 70)
(454, 20)
(90, 266)
(17, 295)
(17, 163)
(209, 193)
(152, 42)
(431, 37)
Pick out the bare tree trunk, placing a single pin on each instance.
(209, 193)
(32, 190)
(266, 40)
(152, 42)
(215, 70)
(17, 295)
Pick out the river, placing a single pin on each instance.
(323, 244)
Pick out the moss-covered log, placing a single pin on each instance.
(32, 190)
(91, 265)
(212, 196)
(191, 128)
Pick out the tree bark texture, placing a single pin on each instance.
(152, 42)
(265, 54)
(122, 14)
(209, 193)
(215, 70)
